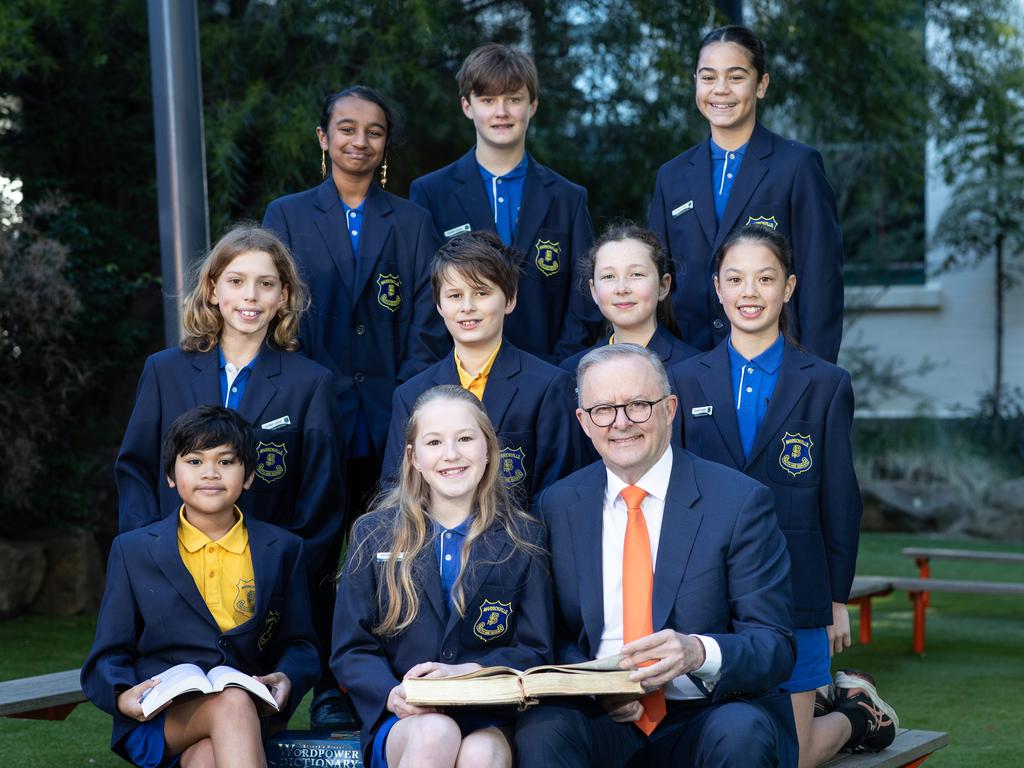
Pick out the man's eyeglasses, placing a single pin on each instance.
(637, 411)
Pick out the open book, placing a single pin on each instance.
(504, 685)
(188, 678)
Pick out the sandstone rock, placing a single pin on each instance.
(74, 575)
(1001, 513)
(22, 568)
(911, 506)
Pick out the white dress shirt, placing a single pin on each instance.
(613, 538)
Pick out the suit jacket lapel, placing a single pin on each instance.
(260, 389)
(586, 525)
(206, 382)
(488, 550)
(500, 389)
(164, 552)
(752, 170)
(716, 383)
(330, 220)
(376, 231)
(679, 527)
(698, 183)
(533, 209)
(471, 193)
(265, 567)
(793, 380)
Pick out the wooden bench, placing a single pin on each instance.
(911, 748)
(44, 697)
(918, 589)
(924, 555)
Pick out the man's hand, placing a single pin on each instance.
(673, 654)
(622, 709)
(280, 688)
(129, 703)
(839, 630)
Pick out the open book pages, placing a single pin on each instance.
(188, 678)
(504, 685)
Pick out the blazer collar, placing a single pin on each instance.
(260, 389)
(698, 184)
(377, 224)
(488, 551)
(164, 551)
(330, 221)
(661, 343)
(205, 384)
(752, 171)
(535, 206)
(263, 540)
(793, 381)
(716, 384)
(471, 193)
(501, 388)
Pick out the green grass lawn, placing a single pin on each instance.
(967, 683)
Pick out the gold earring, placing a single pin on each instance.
(323, 164)
(384, 173)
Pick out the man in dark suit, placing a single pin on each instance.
(678, 565)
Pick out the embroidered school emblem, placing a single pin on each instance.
(493, 621)
(547, 257)
(796, 453)
(513, 470)
(245, 597)
(389, 291)
(273, 618)
(270, 461)
(764, 221)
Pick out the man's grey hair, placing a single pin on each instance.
(611, 352)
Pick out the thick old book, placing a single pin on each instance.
(188, 678)
(504, 685)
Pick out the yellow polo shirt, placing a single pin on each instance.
(222, 570)
(478, 383)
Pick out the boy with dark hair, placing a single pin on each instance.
(497, 186)
(475, 279)
(206, 587)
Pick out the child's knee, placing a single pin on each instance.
(485, 749)
(199, 755)
(234, 703)
(434, 731)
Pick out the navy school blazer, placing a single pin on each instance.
(299, 483)
(666, 346)
(531, 406)
(802, 452)
(515, 582)
(553, 318)
(721, 570)
(781, 185)
(373, 322)
(153, 617)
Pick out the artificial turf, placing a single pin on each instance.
(967, 683)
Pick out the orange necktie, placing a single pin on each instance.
(638, 594)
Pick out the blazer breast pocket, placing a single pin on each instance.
(516, 457)
(388, 292)
(278, 458)
(796, 452)
(549, 258)
(490, 618)
(771, 214)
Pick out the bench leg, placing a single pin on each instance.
(864, 619)
(920, 603)
(916, 763)
(923, 564)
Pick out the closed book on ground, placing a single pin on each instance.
(188, 678)
(314, 749)
(504, 685)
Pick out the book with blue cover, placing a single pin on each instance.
(315, 749)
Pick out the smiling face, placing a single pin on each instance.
(474, 314)
(449, 451)
(727, 90)
(626, 285)
(753, 287)
(356, 136)
(209, 481)
(248, 293)
(629, 450)
(501, 121)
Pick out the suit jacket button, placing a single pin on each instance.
(719, 325)
(360, 329)
(222, 643)
(448, 654)
(360, 377)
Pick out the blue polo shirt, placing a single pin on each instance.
(753, 382)
(448, 546)
(354, 224)
(506, 195)
(725, 167)
(233, 381)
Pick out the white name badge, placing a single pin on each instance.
(385, 556)
(284, 421)
(704, 410)
(677, 212)
(457, 230)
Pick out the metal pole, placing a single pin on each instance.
(180, 151)
(733, 9)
